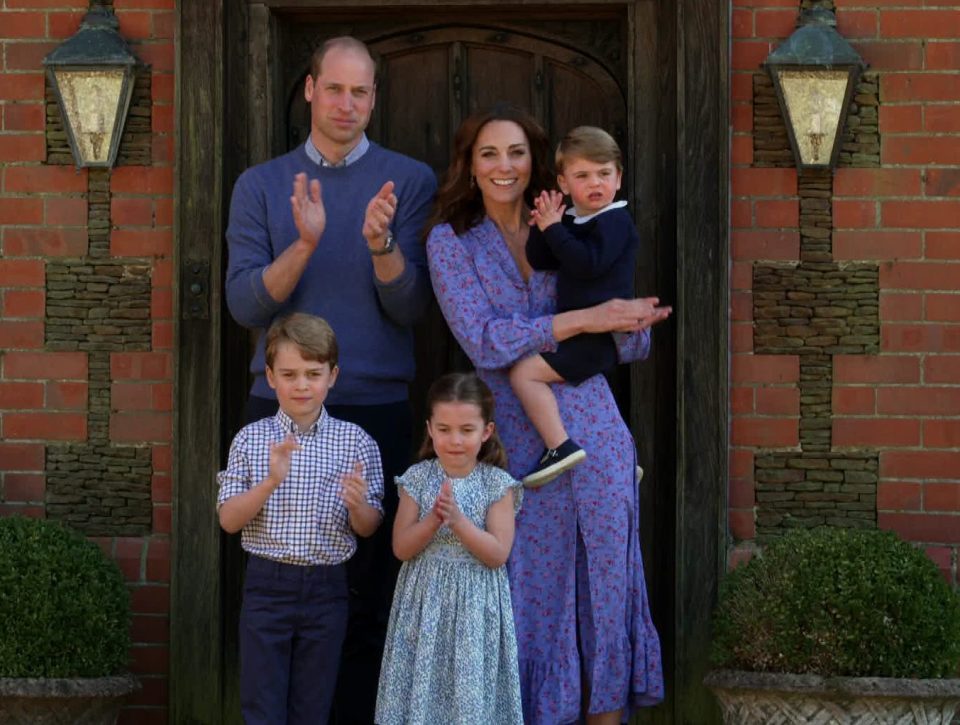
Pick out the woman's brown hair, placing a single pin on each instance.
(465, 388)
(459, 202)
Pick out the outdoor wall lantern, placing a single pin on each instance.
(92, 77)
(814, 73)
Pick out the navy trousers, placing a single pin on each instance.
(292, 625)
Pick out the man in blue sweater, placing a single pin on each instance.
(346, 245)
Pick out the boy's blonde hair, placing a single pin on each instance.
(312, 335)
(590, 143)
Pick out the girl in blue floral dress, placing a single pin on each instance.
(451, 651)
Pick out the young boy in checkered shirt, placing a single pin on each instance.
(300, 485)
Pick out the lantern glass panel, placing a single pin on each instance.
(814, 101)
(91, 101)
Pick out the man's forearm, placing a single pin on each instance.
(283, 274)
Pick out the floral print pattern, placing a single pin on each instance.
(575, 570)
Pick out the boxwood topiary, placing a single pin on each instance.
(839, 602)
(64, 609)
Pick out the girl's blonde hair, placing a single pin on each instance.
(465, 388)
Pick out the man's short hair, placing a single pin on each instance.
(590, 143)
(343, 42)
(312, 335)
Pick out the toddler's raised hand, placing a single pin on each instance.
(548, 209)
(353, 487)
(280, 454)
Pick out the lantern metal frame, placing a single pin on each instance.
(96, 47)
(814, 54)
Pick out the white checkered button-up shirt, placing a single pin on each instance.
(304, 521)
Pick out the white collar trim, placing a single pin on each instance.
(588, 217)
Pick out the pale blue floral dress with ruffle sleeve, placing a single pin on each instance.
(451, 650)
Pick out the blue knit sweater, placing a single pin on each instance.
(371, 320)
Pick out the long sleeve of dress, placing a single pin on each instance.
(491, 332)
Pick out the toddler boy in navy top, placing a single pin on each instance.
(594, 250)
(301, 485)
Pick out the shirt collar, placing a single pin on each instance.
(587, 217)
(287, 425)
(352, 157)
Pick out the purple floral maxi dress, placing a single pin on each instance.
(575, 569)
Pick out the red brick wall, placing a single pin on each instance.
(43, 216)
(904, 216)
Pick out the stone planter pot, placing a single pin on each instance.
(81, 701)
(760, 698)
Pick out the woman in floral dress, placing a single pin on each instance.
(587, 646)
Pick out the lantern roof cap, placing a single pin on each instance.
(815, 42)
(96, 43)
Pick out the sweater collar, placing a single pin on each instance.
(355, 154)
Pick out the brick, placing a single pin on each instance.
(162, 87)
(45, 426)
(885, 55)
(920, 464)
(741, 118)
(163, 211)
(942, 55)
(162, 459)
(141, 426)
(942, 182)
(942, 245)
(763, 182)
(135, 25)
(66, 396)
(741, 494)
(149, 659)
(742, 525)
(775, 23)
(164, 25)
(941, 119)
(17, 509)
(21, 334)
(741, 215)
(141, 243)
(918, 401)
(65, 210)
(765, 369)
(941, 434)
(854, 401)
(24, 304)
(741, 305)
(20, 147)
(27, 55)
(149, 628)
(777, 213)
(162, 149)
(928, 337)
(134, 212)
(856, 23)
(765, 432)
(162, 519)
(24, 487)
(131, 715)
(901, 307)
(943, 308)
(161, 303)
(45, 242)
(942, 556)
(876, 182)
(778, 401)
(741, 463)
(876, 369)
(915, 87)
(741, 149)
(764, 3)
(854, 214)
(150, 599)
(18, 210)
(741, 87)
(741, 400)
(942, 497)
(741, 23)
(941, 369)
(877, 244)
(161, 489)
(899, 496)
(21, 272)
(21, 86)
(741, 337)
(44, 179)
(163, 118)
(22, 457)
(875, 432)
(920, 150)
(153, 691)
(22, 24)
(23, 117)
(141, 366)
(924, 276)
(920, 214)
(23, 396)
(158, 560)
(147, 4)
(772, 245)
(162, 335)
(162, 275)
(46, 3)
(64, 24)
(131, 396)
(922, 527)
(45, 366)
(749, 54)
(920, 23)
(901, 119)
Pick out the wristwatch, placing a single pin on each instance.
(388, 244)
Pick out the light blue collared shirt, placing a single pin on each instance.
(355, 153)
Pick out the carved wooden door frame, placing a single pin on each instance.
(679, 135)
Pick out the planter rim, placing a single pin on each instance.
(111, 686)
(878, 686)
